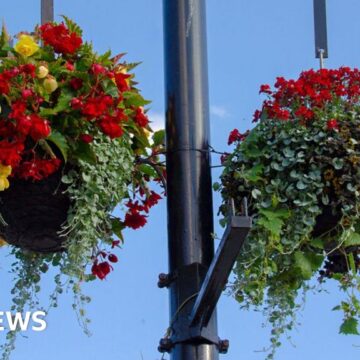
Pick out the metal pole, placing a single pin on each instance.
(321, 43)
(47, 11)
(190, 215)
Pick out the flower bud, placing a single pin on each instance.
(50, 85)
(42, 72)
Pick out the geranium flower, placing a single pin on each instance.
(60, 38)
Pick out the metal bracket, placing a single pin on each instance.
(191, 321)
(219, 271)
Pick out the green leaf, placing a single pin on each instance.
(274, 226)
(159, 137)
(273, 220)
(303, 265)
(216, 186)
(85, 152)
(134, 99)
(338, 163)
(148, 170)
(349, 327)
(254, 174)
(60, 141)
(352, 240)
(72, 26)
(307, 262)
(62, 104)
(110, 88)
(317, 243)
(117, 227)
(352, 263)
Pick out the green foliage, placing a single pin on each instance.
(291, 175)
(60, 141)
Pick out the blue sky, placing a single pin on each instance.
(249, 43)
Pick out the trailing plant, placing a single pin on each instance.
(64, 109)
(299, 169)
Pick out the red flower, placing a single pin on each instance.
(95, 107)
(28, 69)
(4, 85)
(97, 69)
(111, 127)
(10, 152)
(37, 169)
(235, 136)
(76, 83)
(60, 38)
(304, 112)
(76, 103)
(115, 243)
(40, 128)
(257, 115)
(113, 258)
(86, 138)
(265, 89)
(101, 270)
(332, 124)
(26, 93)
(140, 118)
(152, 200)
(121, 81)
(69, 66)
(134, 220)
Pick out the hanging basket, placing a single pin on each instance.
(34, 213)
(326, 222)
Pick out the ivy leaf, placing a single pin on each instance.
(317, 243)
(254, 173)
(349, 327)
(338, 163)
(60, 142)
(307, 263)
(273, 220)
(353, 240)
(274, 226)
(303, 265)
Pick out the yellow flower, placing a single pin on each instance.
(4, 183)
(2, 242)
(26, 45)
(5, 171)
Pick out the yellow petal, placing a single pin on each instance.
(4, 183)
(26, 45)
(3, 242)
(5, 171)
